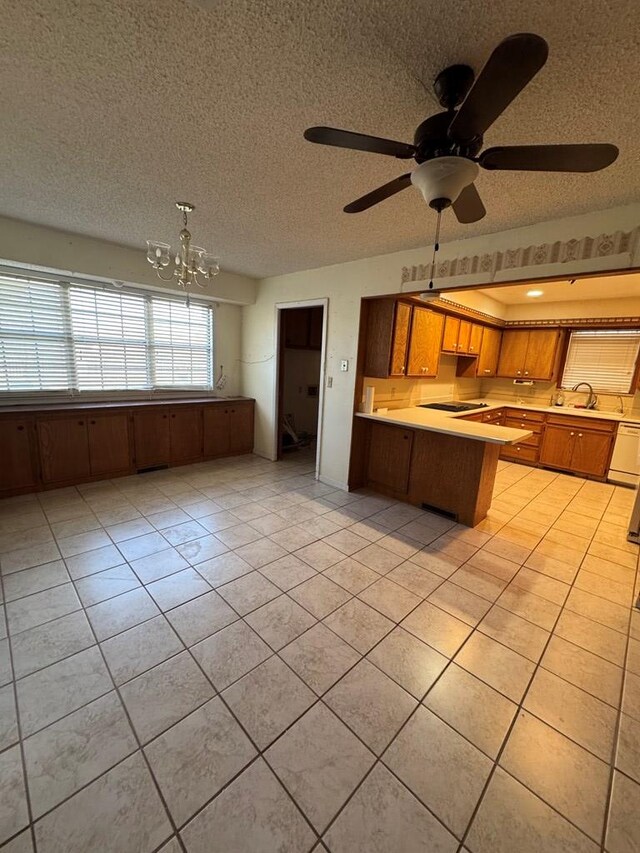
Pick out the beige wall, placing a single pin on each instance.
(301, 369)
(604, 307)
(344, 285)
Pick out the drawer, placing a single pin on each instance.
(582, 423)
(524, 415)
(517, 423)
(496, 415)
(522, 452)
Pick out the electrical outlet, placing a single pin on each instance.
(329, 381)
(344, 365)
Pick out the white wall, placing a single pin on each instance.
(301, 368)
(344, 285)
(38, 247)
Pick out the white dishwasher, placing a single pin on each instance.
(625, 461)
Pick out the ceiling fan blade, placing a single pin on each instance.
(550, 158)
(512, 65)
(379, 194)
(468, 207)
(359, 142)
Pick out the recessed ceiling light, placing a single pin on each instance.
(535, 292)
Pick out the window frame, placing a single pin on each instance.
(635, 377)
(148, 295)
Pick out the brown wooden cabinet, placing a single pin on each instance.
(487, 364)
(388, 325)
(151, 438)
(464, 337)
(424, 342)
(18, 469)
(529, 354)
(302, 327)
(185, 434)
(389, 458)
(109, 445)
(578, 445)
(228, 429)
(451, 334)
(63, 444)
(475, 339)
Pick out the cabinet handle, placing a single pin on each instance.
(164, 416)
(572, 433)
(20, 427)
(518, 449)
(526, 373)
(93, 422)
(487, 370)
(518, 372)
(80, 423)
(402, 369)
(173, 416)
(405, 437)
(521, 425)
(579, 435)
(233, 411)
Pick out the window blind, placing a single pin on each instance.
(605, 358)
(64, 336)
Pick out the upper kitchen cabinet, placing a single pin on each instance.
(387, 347)
(451, 334)
(302, 327)
(487, 364)
(461, 337)
(529, 354)
(425, 342)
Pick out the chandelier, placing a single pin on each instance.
(190, 262)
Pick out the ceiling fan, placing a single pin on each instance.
(446, 145)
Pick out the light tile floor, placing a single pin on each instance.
(234, 657)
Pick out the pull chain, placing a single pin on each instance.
(436, 247)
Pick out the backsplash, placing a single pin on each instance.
(540, 394)
(402, 391)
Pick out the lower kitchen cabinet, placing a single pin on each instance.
(18, 469)
(389, 458)
(241, 428)
(109, 447)
(185, 435)
(228, 429)
(575, 448)
(63, 444)
(151, 438)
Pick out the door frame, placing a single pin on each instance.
(279, 350)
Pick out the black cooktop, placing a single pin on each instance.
(454, 407)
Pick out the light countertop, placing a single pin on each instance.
(77, 405)
(554, 410)
(449, 423)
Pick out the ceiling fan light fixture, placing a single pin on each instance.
(444, 178)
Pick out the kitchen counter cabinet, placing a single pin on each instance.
(389, 457)
(109, 444)
(18, 471)
(63, 443)
(579, 448)
(151, 439)
(185, 435)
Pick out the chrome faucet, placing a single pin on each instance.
(620, 405)
(592, 399)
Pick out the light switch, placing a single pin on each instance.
(344, 365)
(329, 381)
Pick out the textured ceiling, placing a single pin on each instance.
(112, 110)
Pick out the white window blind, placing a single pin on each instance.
(605, 358)
(61, 336)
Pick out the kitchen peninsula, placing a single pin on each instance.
(434, 459)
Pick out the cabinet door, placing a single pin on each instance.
(475, 339)
(18, 469)
(451, 333)
(489, 351)
(464, 337)
(315, 327)
(109, 444)
(591, 452)
(387, 338)
(425, 342)
(185, 431)
(296, 327)
(556, 449)
(241, 428)
(216, 430)
(513, 353)
(151, 438)
(542, 349)
(64, 449)
(389, 457)
(400, 339)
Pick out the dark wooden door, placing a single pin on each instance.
(400, 339)
(451, 333)
(389, 457)
(591, 452)
(513, 353)
(216, 430)
(425, 343)
(109, 451)
(18, 469)
(241, 428)
(464, 337)
(64, 449)
(489, 351)
(151, 438)
(541, 353)
(185, 430)
(475, 339)
(557, 445)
